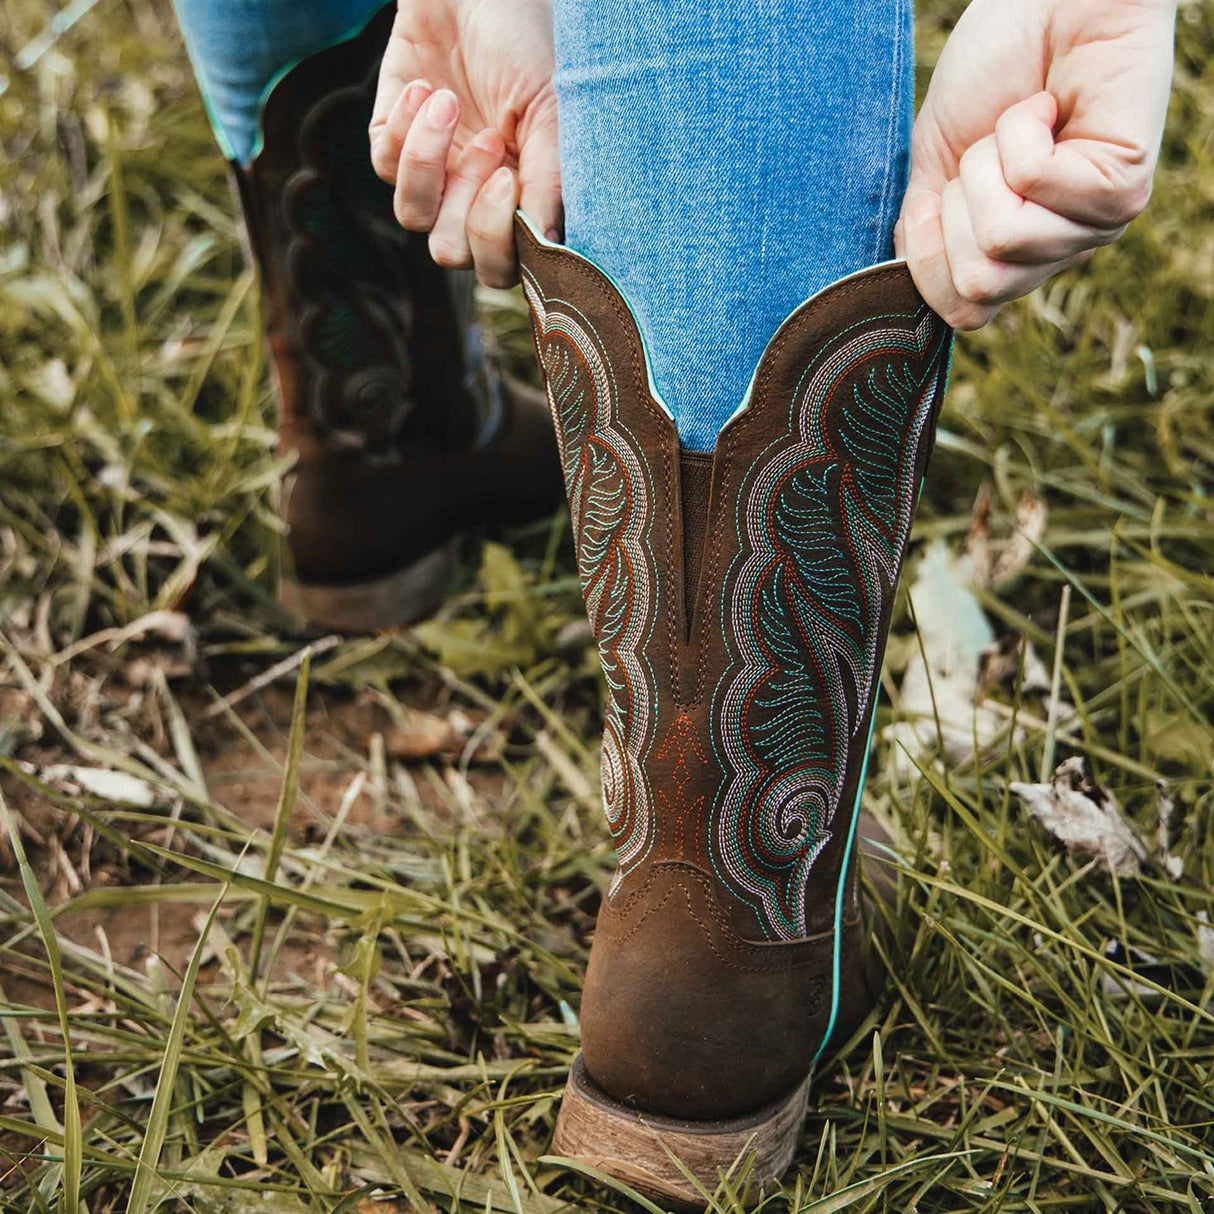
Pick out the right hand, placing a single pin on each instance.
(465, 128)
(1035, 146)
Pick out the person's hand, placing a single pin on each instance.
(465, 127)
(1036, 144)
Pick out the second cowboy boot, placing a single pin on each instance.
(741, 603)
(405, 435)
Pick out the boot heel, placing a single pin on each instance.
(398, 599)
(626, 1143)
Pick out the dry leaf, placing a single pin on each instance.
(109, 785)
(1166, 832)
(941, 677)
(1084, 817)
(1017, 551)
(1205, 938)
(995, 562)
(956, 666)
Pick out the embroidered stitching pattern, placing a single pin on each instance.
(611, 506)
(823, 518)
(818, 522)
(346, 263)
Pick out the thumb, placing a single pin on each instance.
(930, 165)
(539, 171)
(1092, 181)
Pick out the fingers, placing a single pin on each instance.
(1090, 181)
(539, 174)
(978, 278)
(922, 243)
(490, 230)
(1009, 228)
(422, 169)
(449, 244)
(395, 75)
(388, 133)
(985, 236)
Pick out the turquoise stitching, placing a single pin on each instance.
(841, 891)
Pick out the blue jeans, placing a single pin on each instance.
(721, 161)
(239, 49)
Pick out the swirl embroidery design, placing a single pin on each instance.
(347, 268)
(822, 522)
(611, 505)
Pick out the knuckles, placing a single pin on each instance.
(978, 283)
(996, 237)
(1127, 202)
(965, 317)
(1112, 202)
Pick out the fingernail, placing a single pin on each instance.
(553, 235)
(416, 93)
(441, 109)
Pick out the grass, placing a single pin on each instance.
(268, 966)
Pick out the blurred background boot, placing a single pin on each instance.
(405, 435)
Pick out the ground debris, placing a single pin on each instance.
(108, 785)
(461, 735)
(1083, 816)
(959, 673)
(996, 563)
(1167, 831)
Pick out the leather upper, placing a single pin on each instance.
(741, 674)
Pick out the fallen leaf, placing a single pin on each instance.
(1084, 817)
(941, 676)
(1018, 549)
(995, 562)
(1115, 986)
(1205, 938)
(422, 736)
(1002, 665)
(956, 666)
(1166, 832)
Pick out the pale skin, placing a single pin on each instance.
(1035, 146)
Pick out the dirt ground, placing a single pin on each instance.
(242, 768)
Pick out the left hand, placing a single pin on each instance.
(1036, 144)
(465, 128)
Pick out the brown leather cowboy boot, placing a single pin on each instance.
(741, 602)
(405, 436)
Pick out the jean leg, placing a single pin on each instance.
(240, 47)
(724, 161)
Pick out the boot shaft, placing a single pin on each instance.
(374, 346)
(406, 437)
(741, 602)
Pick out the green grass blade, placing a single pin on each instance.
(73, 1136)
(141, 1196)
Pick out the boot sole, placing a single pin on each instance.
(401, 598)
(636, 1147)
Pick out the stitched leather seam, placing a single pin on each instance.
(726, 961)
(715, 914)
